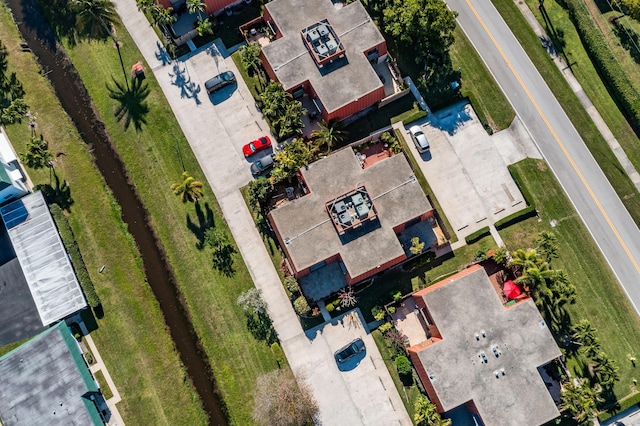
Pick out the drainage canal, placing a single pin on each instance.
(75, 100)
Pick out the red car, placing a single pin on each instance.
(256, 146)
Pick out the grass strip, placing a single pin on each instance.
(599, 297)
(104, 386)
(155, 158)
(572, 107)
(132, 335)
(563, 33)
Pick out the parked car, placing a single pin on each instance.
(419, 138)
(349, 351)
(262, 164)
(219, 81)
(258, 145)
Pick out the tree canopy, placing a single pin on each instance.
(291, 158)
(188, 189)
(630, 7)
(281, 401)
(12, 105)
(425, 25)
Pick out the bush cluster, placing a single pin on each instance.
(621, 88)
(70, 244)
(516, 217)
(301, 306)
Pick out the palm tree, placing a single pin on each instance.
(95, 18)
(536, 276)
(204, 26)
(547, 246)
(426, 414)
(329, 133)
(274, 100)
(584, 335)
(38, 155)
(580, 400)
(195, 6)
(250, 56)
(132, 104)
(523, 259)
(606, 370)
(189, 190)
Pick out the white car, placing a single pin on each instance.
(419, 138)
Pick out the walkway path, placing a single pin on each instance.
(227, 171)
(98, 365)
(582, 96)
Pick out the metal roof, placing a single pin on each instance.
(44, 261)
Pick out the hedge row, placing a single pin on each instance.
(409, 116)
(478, 235)
(515, 175)
(70, 244)
(516, 217)
(622, 89)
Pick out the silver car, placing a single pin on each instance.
(262, 164)
(419, 138)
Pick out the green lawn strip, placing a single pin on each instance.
(478, 84)
(11, 346)
(599, 297)
(408, 394)
(104, 386)
(154, 159)
(588, 76)
(132, 336)
(569, 102)
(253, 83)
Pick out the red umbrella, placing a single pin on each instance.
(511, 290)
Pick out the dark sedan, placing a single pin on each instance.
(349, 351)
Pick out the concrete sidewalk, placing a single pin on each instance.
(98, 365)
(215, 132)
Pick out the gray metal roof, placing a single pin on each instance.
(46, 382)
(44, 261)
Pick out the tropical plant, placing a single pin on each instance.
(204, 26)
(95, 19)
(132, 105)
(38, 155)
(417, 246)
(584, 335)
(196, 6)
(561, 290)
(281, 401)
(284, 113)
(378, 313)
(347, 297)
(396, 295)
(292, 158)
(524, 259)
(547, 246)
(500, 256)
(329, 134)
(291, 284)
(260, 190)
(426, 413)
(580, 400)
(301, 306)
(250, 57)
(189, 190)
(606, 370)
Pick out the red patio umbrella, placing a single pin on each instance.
(511, 289)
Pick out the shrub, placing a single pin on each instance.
(89, 358)
(516, 217)
(291, 284)
(378, 313)
(71, 246)
(500, 256)
(403, 365)
(301, 306)
(278, 353)
(392, 309)
(385, 327)
(330, 307)
(515, 175)
(478, 235)
(397, 296)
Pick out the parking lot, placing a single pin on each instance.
(363, 392)
(467, 169)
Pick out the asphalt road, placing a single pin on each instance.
(590, 192)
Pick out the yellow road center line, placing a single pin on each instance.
(557, 138)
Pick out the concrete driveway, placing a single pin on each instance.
(466, 167)
(370, 391)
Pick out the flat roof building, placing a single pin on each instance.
(39, 283)
(45, 381)
(12, 179)
(482, 354)
(351, 214)
(327, 52)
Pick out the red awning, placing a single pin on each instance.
(511, 289)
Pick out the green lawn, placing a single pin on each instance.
(154, 159)
(104, 386)
(132, 336)
(560, 24)
(582, 122)
(599, 299)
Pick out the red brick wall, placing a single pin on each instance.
(358, 105)
(371, 273)
(424, 378)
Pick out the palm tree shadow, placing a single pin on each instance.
(132, 106)
(59, 194)
(205, 220)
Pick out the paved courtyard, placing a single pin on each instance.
(467, 169)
